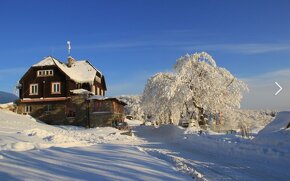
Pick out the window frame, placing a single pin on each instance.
(48, 108)
(45, 73)
(31, 90)
(52, 88)
(39, 73)
(27, 109)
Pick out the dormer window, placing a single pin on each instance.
(44, 73)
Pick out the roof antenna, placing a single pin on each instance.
(68, 47)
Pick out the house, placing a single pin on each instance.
(71, 93)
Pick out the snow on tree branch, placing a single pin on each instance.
(198, 82)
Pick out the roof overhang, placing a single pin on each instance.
(102, 98)
(54, 99)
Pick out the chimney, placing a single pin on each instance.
(70, 61)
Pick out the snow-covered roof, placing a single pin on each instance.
(98, 97)
(45, 62)
(80, 91)
(80, 71)
(101, 98)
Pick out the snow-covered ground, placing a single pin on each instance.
(21, 133)
(216, 156)
(31, 150)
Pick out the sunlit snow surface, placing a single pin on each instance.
(31, 150)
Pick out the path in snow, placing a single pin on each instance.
(201, 159)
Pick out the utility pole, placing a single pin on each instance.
(88, 114)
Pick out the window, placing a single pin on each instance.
(39, 73)
(33, 89)
(47, 109)
(55, 88)
(27, 109)
(44, 73)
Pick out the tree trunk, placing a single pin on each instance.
(170, 117)
(200, 117)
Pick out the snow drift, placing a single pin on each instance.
(276, 133)
(22, 133)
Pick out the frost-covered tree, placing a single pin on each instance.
(253, 119)
(208, 87)
(133, 106)
(158, 98)
(196, 86)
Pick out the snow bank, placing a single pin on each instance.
(7, 106)
(211, 156)
(276, 134)
(133, 122)
(22, 133)
(254, 120)
(221, 144)
(163, 133)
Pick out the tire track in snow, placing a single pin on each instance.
(179, 163)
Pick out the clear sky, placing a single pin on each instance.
(130, 40)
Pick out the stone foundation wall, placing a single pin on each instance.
(104, 119)
(56, 114)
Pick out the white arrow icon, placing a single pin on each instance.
(279, 89)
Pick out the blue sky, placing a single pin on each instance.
(130, 40)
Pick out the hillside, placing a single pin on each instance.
(6, 97)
